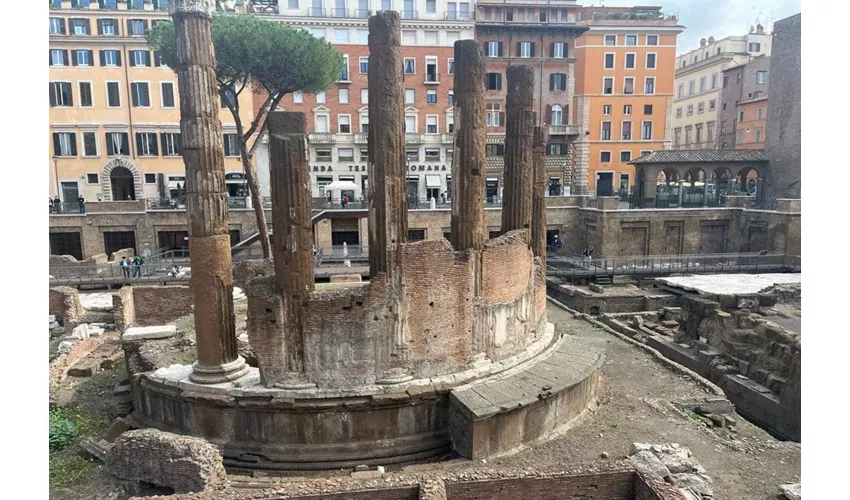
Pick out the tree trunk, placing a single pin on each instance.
(254, 187)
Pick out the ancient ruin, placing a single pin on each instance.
(446, 347)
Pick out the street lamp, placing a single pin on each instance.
(56, 172)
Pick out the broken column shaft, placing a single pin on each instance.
(519, 128)
(470, 140)
(538, 197)
(388, 185)
(206, 196)
(293, 241)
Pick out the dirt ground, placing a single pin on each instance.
(634, 406)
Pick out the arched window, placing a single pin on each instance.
(557, 115)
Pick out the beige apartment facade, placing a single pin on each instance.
(699, 83)
(114, 130)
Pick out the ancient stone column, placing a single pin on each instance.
(469, 151)
(519, 128)
(538, 199)
(387, 175)
(293, 230)
(206, 200)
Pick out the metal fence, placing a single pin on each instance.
(67, 208)
(674, 264)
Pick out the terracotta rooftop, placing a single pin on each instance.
(702, 155)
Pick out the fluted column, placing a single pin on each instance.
(538, 199)
(519, 128)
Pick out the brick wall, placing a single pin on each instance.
(123, 308)
(246, 270)
(507, 252)
(610, 486)
(65, 304)
(158, 305)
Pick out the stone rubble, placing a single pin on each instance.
(790, 491)
(676, 465)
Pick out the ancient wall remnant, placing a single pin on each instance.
(65, 305)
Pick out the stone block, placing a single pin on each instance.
(767, 300)
(182, 463)
(647, 461)
(728, 301)
(699, 484)
(670, 324)
(748, 301)
(119, 426)
(790, 491)
(149, 332)
(366, 474)
(596, 288)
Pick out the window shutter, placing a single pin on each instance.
(518, 49)
(501, 118)
(179, 144)
(73, 144)
(132, 61)
(70, 94)
(49, 57)
(484, 46)
(566, 110)
(147, 93)
(125, 144)
(139, 149)
(65, 52)
(549, 114)
(118, 58)
(74, 57)
(154, 148)
(552, 49)
(62, 26)
(100, 26)
(102, 58)
(91, 57)
(129, 27)
(552, 81)
(57, 148)
(532, 48)
(162, 140)
(500, 54)
(52, 94)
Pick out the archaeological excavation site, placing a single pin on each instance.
(472, 366)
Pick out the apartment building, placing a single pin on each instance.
(624, 93)
(114, 130)
(742, 117)
(699, 82)
(543, 36)
(338, 119)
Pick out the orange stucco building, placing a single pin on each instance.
(752, 124)
(623, 92)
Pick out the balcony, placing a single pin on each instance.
(459, 16)
(413, 139)
(409, 14)
(316, 12)
(321, 138)
(432, 78)
(361, 138)
(563, 129)
(362, 13)
(626, 16)
(448, 138)
(339, 12)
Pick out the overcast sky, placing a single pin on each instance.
(717, 18)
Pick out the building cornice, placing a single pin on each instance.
(98, 39)
(315, 22)
(707, 63)
(645, 28)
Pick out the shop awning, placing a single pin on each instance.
(433, 181)
(173, 184)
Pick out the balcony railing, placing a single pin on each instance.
(321, 138)
(432, 78)
(165, 204)
(316, 12)
(362, 13)
(237, 202)
(361, 138)
(457, 16)
(68, 208)
(448, 138)
(563, 129)
(413, 138)
(410, 14)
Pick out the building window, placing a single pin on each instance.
(677, 137)
(412, 155)
(625, 156)
(430, 6)
(364, 65)
(172, 144)
(64, 144)
(741, 116)
(606, 109)
(629, 85)
(451, 66)
(297, 97)
(57, 26)
(688, 130)
(608, 86)
(679, 112)
(364, 124)
(630, 60)
(738, 77)
(723, 127)
(83, 57)
(691, 87)
(117, 144)
(494, 81)
(409, 66)
(110, 58)
(627, 109)
(431, 70)
(557, 82)
(493, 49)
(712, 104)
(650, 61)
(432, 155)
(725, 81)
(698, 139)
(321, 97)
(58, 57)
(525, 49)
(604, 157)
(150, 178)
(343, 96)
(364, 154)
(627, 131)
(700, 108)
(140, 58)
(714, 81)
(146, 144)
(557, 115)
(410, 125)
(557, 50)
(344, 124)
(758, 134)
(609, 60)
(606, 131)
(323, 155)
(494, 112)
(319, 33)
(690, 109)
(60, 94)
(89, 144)
(431, 97)
(451, 97)
(167, 90)
(739, 137)
(364, 96)
(652, 39)
(409, 96)
(136, 27)
(432, 38)
(231, 144)
(341, 35)
(631, 39)
(140, 94)
(761, 76)
(681, 91)
(649, 85)
(452, 37)
(709, 136)
(647, 131)
(345, 154)
(754, 47)
(495, 150)
(113, 95)
(431, 126)
(85, 95)
(408, 37)
(450, 124)
(555, 148)
(760, 113)
(647, 109)
(702, 84)
(79, 26)
(610, 39)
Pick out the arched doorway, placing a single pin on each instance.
(122, 184)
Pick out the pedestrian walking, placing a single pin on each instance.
(82, 202)
(57, 205)
(137, 267)
(125, 267)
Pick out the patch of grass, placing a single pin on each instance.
(68, 469)
(63, 429)
(693, 416)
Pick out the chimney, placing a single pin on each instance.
(702, 42)
(760, 29)
(711, 39)
(752, 29)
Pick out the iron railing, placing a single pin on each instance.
(67, 208)
(571, 266)
(164, 204)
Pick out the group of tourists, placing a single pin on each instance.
(55, 205)
(135, 263)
